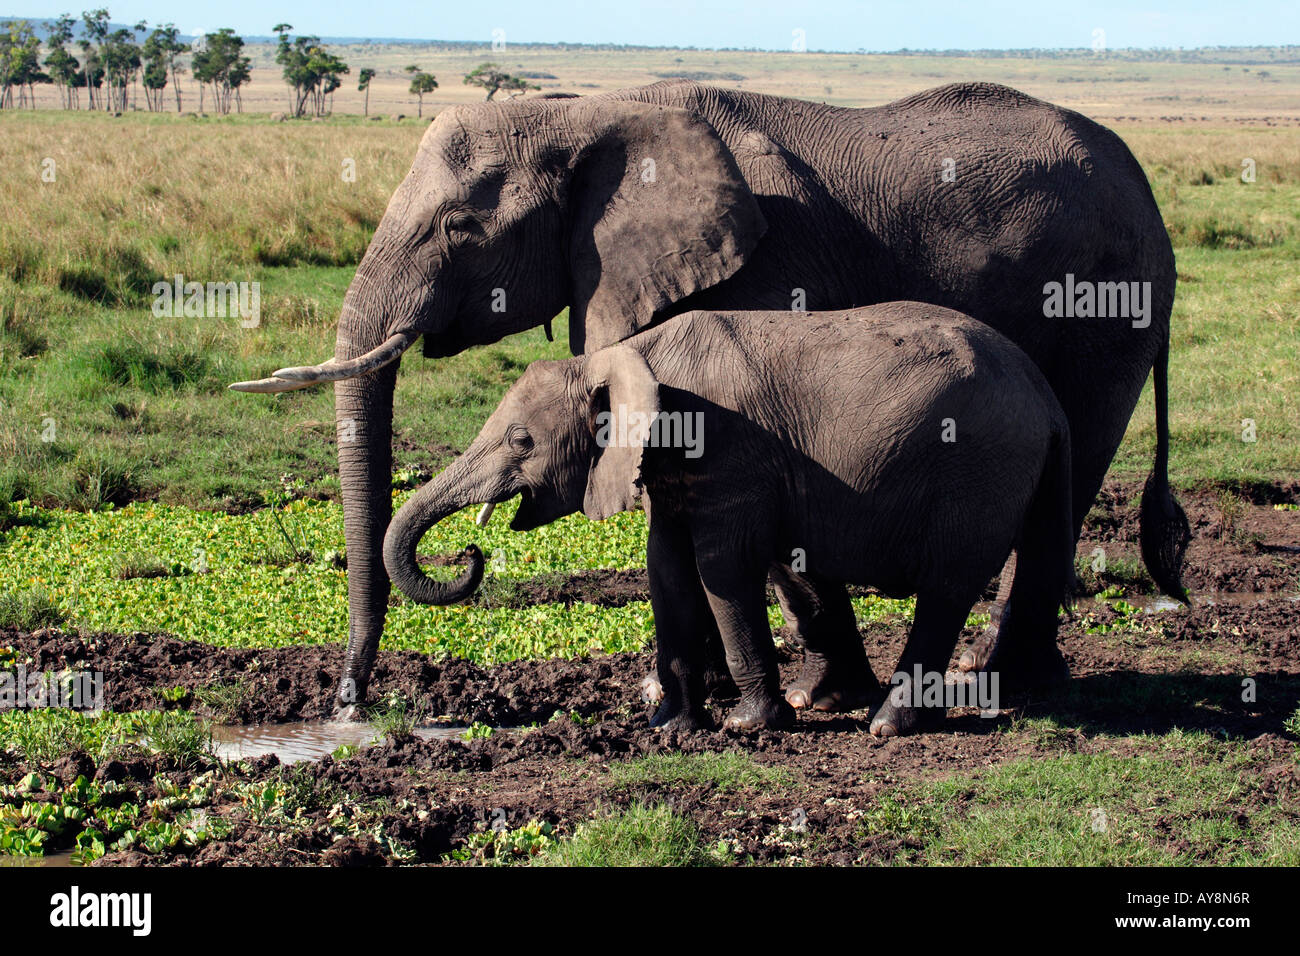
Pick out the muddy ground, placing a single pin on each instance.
(1132, 672)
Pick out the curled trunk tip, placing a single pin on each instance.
(422, 589)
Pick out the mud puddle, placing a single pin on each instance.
(301, 740)
(60, 859)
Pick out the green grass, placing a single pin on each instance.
(1179, 799)
(137, 407)
(29, 609)
(730, 770)
(44, 735)
(640, 835)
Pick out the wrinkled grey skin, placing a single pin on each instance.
(638, 205)
(903, 446)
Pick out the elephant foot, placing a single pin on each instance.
(652, 692)
(824, 687)
(766, 712)
(674, 716)
(976, 657)
(350, 713)
(1024, 668)
(716, 684)
(895, 719)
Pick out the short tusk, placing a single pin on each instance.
(301, 376)
(485, 514)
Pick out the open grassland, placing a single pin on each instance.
(104, 402)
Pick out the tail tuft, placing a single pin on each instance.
(1165, 534)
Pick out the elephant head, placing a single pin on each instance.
(511, 212)
(550, 441)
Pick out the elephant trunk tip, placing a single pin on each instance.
(422, 589)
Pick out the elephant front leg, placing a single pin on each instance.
(836, 675)
(713, 661)
(737, 595)
(683, 621)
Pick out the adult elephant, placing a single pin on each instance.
(634, 206)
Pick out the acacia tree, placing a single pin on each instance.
(219, 62)
(490, 77)
(120, 56)
(162, 53)
(93, 40)
(63, 65)
(20, 64)
(363, 84)
(312, 72)
(421, 83)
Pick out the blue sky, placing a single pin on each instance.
(765, 24)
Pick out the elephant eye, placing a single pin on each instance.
(519, 439)
(462, 226)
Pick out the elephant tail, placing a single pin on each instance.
(1164, 528)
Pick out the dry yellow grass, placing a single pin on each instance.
(1108, 89)
(143, 197)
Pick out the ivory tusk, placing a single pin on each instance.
(334, 371)
(485, 514)
(269, 385)
(301, 376)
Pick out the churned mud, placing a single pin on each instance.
(1137, 667)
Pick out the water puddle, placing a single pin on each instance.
(1155, 603)
(62, 858)
(307, 739)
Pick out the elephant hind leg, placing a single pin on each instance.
(935, 629)
(836, 675)
(976, 657)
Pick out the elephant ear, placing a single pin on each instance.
(659, 210)
(624, 400)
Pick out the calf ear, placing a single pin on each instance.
(624, 399)
(659, 210)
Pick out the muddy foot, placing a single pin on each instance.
(716, 684)
(976, 657)
(651, 690)
(754, 714)
(674, 716)
(823, 688)
(895, 720)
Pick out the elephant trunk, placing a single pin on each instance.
(363, 407)
(364, 412)
(445, 495)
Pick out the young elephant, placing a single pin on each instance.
(902, 446)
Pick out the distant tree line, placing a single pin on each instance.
(116, 64)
